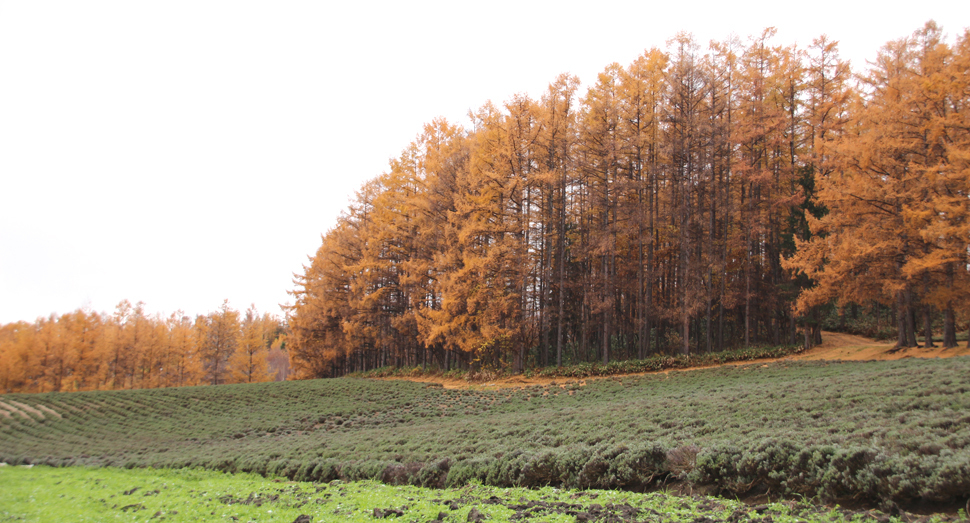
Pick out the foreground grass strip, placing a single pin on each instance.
(82, 494)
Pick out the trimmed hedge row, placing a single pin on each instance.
(827, 473)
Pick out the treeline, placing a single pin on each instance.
(682, 204)
(130, 349)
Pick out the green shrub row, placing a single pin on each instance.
(826, 473)
(659, 362)
(653, 363)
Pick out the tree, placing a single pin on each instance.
(686, 135)
(248, 364)
(318, 346)
(182, 364)
(600, 171)
(555, 143)
(84, 333)
(219, 338)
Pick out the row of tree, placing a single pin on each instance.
(683, 203)
(129, 349)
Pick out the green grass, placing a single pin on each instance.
(80, 494)
(869, 432)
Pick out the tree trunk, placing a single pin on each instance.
(910, 320)
(928, 327)
(900, 320)
(949, 320)
(792, 330)
(927, 315)
(686, 334)
(949, 328)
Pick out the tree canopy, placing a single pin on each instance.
(693, 200)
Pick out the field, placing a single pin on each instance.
(864, 434)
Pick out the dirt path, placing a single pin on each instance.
(835, 346)
(513, 382)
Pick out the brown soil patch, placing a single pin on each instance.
(513, 382)
(28, 408)
(50, 411)
(835, 346)
(14, 410)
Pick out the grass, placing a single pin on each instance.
(80, 494)
(872, 432)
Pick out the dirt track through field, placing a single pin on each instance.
(835, 346)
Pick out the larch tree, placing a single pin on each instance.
(182, 364)
(219, 339)
(828, 96)
(248, 363)
(555, 156)
(441, 163)
(318, 346)
(599, 167)
(688, 150)
(84, 332)
(481, 296)
(724, 234)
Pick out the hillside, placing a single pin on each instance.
(873, 432)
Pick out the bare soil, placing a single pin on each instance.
(835, 346)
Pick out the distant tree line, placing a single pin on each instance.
(84, 350)
(694, 200)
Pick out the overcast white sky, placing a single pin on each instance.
(182, 152)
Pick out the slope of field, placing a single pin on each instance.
(872, 432)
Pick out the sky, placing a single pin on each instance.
(186, 152)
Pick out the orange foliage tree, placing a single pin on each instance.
(85, 350)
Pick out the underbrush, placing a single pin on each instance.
(877, 322)
(658, 362)
(652, 363)
(875, 432)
